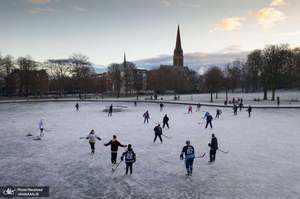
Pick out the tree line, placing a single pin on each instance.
(274, 67)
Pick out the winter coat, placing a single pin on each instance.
(114, 144)
(188, 151)
(166, 119)
(92, 138)
(214, 144)
(129, 156)
(158, 130)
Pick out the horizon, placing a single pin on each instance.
(48, 29)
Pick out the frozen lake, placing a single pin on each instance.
(263, 159)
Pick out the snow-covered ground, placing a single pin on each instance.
(263, 159)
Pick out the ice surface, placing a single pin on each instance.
(263, 159)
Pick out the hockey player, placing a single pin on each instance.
(130, 158)
(235, 108)
(189, 153)
(205, 115)
(249, 110)
(146, 117)
(218, 113)
(166, 121)
(198, 107)
(209, 118)
(77, 106)
(157, 133)
(213, 148)
(114, 144)
(41, 127)
(92, 140)
(161, 105)
(110, 110)
(190, 109)
(241, 105)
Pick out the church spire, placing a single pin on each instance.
(178, 40)
(124, 60)
(178, 53)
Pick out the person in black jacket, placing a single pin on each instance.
(213, 148)
(235, 108)
(161, 105)
(130, 158)
(110, 110)
(114, 144)
(209, 118)
(157, 133)
(146, 117)
(166, 121)
(218, 113)
(249, 110)
(77, 106)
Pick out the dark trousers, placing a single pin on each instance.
(217, 115)
(249, 113)
(189, 165)
(114, 158)
(92, 146)
(212, 155)
(157, 135)
(166, 124)
(146, 120)
(109, 113)
(208, 122)
(129, 167)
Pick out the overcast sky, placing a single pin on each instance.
(104, 29)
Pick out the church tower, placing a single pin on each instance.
(178, 53)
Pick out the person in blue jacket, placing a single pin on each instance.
(189, 154)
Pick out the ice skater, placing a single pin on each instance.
(249, 110)
(189, 153)
(77, 106)
(130, 158)
(114, 144)
(209, 119)
(110, 110)
(205, 115)
(218, 113)
(213, 148)
(278, 101)
(92, 140)
(198, 107)
(146, 117)
(41, 127)
(157, 133)
(166, 121)
(241, 106)
(190, 109)
(161, 105)
(235, 108)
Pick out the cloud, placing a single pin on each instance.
(268, 17)
(289, 34)
(278, 3)
(228, 24)
(40, 10)
(79, 9)
(166, 3)
(39, 1)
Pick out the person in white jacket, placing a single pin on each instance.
(92, 140)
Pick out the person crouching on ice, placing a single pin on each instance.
(129, 158)
(189, 153)
(92, 140)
